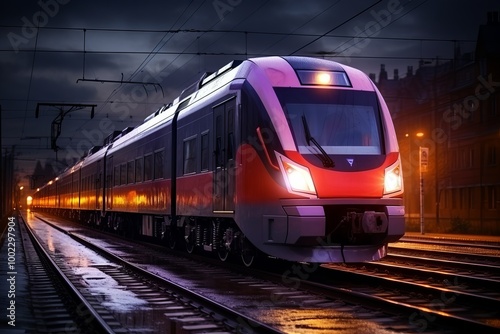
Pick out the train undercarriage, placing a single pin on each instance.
(219, 236)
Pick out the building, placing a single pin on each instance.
(452, 108)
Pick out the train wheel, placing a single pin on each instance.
(248, 252)
(224, 244)
(189, 246)
(223, 253)
(190, 242)
(171, 238)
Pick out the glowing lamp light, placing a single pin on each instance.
(29, 200)
(297, 178)
(300, 180)
(324, 78)
(393, 180)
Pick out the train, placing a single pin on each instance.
(288, 156)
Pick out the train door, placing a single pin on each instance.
(98, 186)
(225, 146)
(109, 184)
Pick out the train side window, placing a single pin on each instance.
(138, 170)
(148, 167)
(189, 150)
(116, 181)
(130, 172)
(123, 174)
(204, 151)
(159, 164)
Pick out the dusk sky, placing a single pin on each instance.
(46, 46)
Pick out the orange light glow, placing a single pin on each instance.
(324, 78)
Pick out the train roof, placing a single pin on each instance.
(280, 70)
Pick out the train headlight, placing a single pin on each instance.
(297, 177)
(393, 179)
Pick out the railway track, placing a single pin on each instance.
(457, 285)
(58, 306)
(457, 250)
(295, 298)
(265, 304)
(137, 301)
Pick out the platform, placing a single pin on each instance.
(455, 237)
(14, 284)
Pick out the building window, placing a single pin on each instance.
(189, 150)
(138, 169)
(492, 197)
(148, 167)
(453, 198)
(204, 152)
(158, 170)
(491, 155)
(493, 105)
(454, 160)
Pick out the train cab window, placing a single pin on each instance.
(341, 121)
(189, 150)
(123, 173)
(138, 170)
(158, 170)
(130, 172)
(148, 167)
(204, 152)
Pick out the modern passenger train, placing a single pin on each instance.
(293, 157)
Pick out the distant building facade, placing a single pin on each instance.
(454, 108)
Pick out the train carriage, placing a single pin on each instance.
(294, 157)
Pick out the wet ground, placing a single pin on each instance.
(288, 309)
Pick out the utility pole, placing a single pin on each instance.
(57, 122)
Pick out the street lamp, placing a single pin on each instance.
(423, 159)
(423, 163)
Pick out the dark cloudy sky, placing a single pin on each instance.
(172, 43)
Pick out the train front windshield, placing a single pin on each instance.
(333, 122)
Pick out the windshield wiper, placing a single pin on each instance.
(324, 157)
